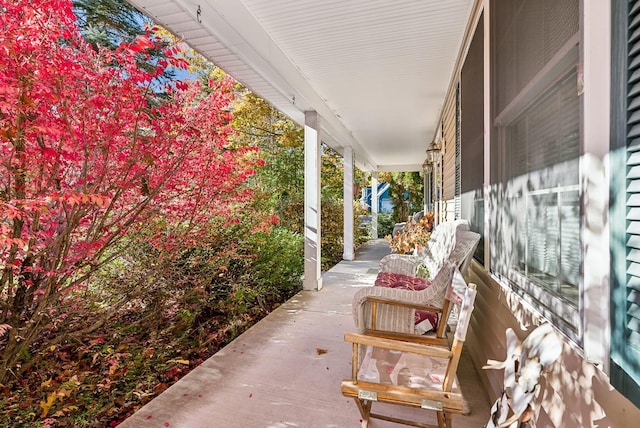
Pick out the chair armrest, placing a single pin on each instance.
(400, 316)
(417, 306)
(398, 345)
(410, 337)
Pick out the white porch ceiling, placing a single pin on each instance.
(376, 71)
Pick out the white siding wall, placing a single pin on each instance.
(575, 393)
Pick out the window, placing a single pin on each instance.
(472, 137)
(542, 148)
(535, 148)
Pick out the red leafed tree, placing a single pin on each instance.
(89, 152)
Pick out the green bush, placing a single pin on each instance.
(385, 225)
(278, 266)
(360, 234)
(333, 231)
(332, 237)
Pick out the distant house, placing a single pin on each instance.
(385, 204)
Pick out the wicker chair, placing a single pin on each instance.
(388, 309)
(438, 249)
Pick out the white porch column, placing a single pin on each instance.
(595, 298)
(312, 273)
(348, 253)
(425, 191)
(428, 190)
(374, 205)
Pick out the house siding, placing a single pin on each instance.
(577, 391)
(449, 159)
(574, 393)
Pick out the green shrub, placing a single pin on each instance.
(332, 232)
(385, 225)
(360, 234)
(278, 266)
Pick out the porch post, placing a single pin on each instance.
(488, 123)
(425, 190)
(312, 257)
(348, 253)
(595, 182)
(374, 205)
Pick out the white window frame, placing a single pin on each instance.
(563, 62)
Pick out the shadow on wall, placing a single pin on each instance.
(578, 394)
(574, 393)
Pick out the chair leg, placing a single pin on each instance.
(365, 410)
(444, 420)
(447, 420)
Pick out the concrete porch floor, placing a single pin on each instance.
(286, 370)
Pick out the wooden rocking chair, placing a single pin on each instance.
(407, 372)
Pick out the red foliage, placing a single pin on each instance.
(89, 152)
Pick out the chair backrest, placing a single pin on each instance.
(465, 246)
(443, 234)
(464, 318)
(466, 308)
(454, 296)
(442, 243)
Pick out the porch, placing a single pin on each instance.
(286, 370)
